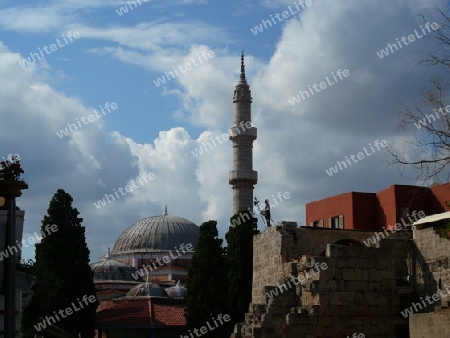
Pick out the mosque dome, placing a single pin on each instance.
(110, 269)
(156, 233)
(146, 289)
(176, 291)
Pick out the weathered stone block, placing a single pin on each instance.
(300, 319)
(326, 285)
(349, 274)
(342, 298)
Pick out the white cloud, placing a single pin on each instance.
(295, 145)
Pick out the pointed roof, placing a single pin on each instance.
(242, 77)
(242, 90)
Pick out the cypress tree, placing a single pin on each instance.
(207, 283)
(240, 260)
(63, 274)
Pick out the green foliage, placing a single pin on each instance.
(240, 261)
(207, 284)
(445, 231)
(62, 270)
(28, 266)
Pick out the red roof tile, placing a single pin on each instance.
(168, 312)
(144, 312)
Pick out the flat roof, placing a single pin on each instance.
(433, 218)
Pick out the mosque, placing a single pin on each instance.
(141, 282)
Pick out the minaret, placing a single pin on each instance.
(242, 178)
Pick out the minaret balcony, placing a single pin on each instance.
(242, 175)
(242, 131)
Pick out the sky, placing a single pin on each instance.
(103, 68)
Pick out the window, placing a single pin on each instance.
(317, 224)
(336, 222)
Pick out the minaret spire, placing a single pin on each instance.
(242, 68)
(242, 178)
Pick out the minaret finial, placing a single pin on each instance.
(165, 210)
(242, 66)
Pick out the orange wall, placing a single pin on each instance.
(331, 207)
(358, 209)
(442, 194)
(386, 214)
(414, 198)
(364, 211)
(369, 211)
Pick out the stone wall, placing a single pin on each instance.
(286, 242)
(430, 325)
(432, 270)
(271, 249)
(362, 290)
(312, 241)
(358, 292)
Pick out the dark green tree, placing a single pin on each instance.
(27, 266)
(240, 260)
(63, 273)
(207, 283)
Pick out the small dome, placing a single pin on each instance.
(146, 289)
(110, 269)
(157, 233)
(177, 291)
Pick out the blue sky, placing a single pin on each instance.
(155, 129)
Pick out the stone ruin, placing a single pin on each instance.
(363, 290)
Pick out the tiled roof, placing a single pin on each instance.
(168, 313)
(144, 312)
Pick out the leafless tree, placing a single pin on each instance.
(429, 120)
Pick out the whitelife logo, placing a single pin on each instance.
(207, 146)
(206, 55)
(52, 319)
(281, 17)
(123, 10)
(49, 229)
(398, 226)
(53, 47)
(129, 188)
(361, 156)
(341, 74)
(411, 38)
(86, 120)
(428, 117)
(301, 279)
(423, 305)
(165, 260)
(204, 330)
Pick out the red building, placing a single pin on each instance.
(377, 211)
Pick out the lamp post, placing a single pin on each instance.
(10, 188)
